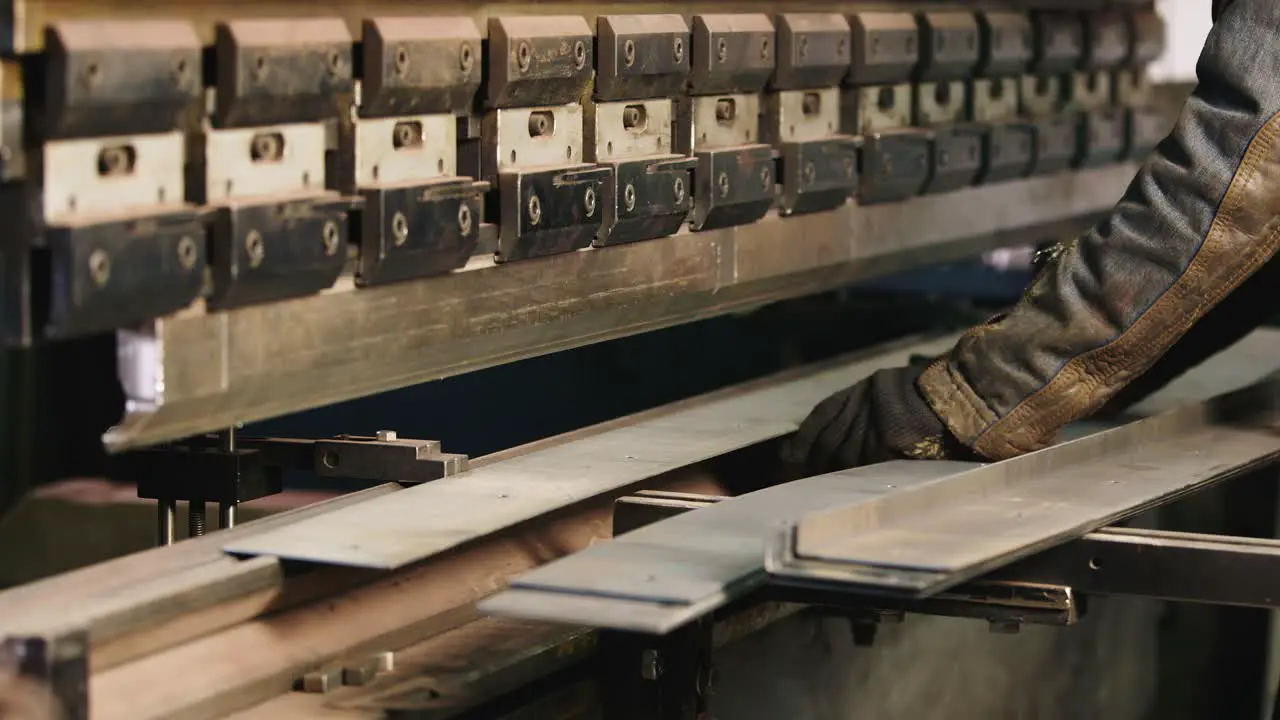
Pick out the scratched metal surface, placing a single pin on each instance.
(411, 525)
(197, 372)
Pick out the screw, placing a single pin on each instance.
(810, 173)
(579, 54)
(255, 247)
(589, 201)
(92, 75)
(811, 104)
(466, 58)
(402, 61)
(804, 46)
(766, 178)
(725, 110)
(187, 252)
(722, 50)
(629, 53)
(722, 181)
(332, 237)
(629, 197)
(677, 49)
(650, 665)
(538, 125)
(464, 219)
(535, 210)
(99, 267)
(406, 134)
(113, 161)
(764, 49)
(630, 117)
(399, 230)
(266, 147)
(524, 56)
(195, 518)
(677, 189)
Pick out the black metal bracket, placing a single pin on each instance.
(228, 470)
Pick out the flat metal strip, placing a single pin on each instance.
(411, 525)
(927, 539)
(197, 372)
(664, 574)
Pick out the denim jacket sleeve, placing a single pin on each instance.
(1199, 220)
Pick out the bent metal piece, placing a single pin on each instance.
(928, 538)
(659, 577)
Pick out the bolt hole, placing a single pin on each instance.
(513, 157)
(331, 459)
(541, 123)
(408, 135)
(942, 94)
(568, 152)
(885, 99)
(117, 160)
(635, 118)
(440, 165)
(1095, 563)
(608, 147)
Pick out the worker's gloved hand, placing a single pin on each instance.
(881, 418)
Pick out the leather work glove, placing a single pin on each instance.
(882, 418)
(1183, 266)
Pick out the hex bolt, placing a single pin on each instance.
(589, 201)
(722, 50)
(629, 53)
(464, 219)
(402, 61)
(804, 46)
(255, 248)
(399, 229)
(579, 54)
(187, 252)
(99, 267)
(535, 210)
(466, 58)
(766, 178)
(764, 49)
(332, 237)
(524, 56)
(722, 182)
(848, 167)
(677, 50)
(629, 197)
(677, 189)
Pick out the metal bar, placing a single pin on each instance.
(660, 577)
(196, 372)
(926, 539)
(429, 519)
(1181, 567)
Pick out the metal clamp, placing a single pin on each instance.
(957, 159)
(895, 165)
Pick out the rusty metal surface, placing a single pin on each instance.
(199, 372)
